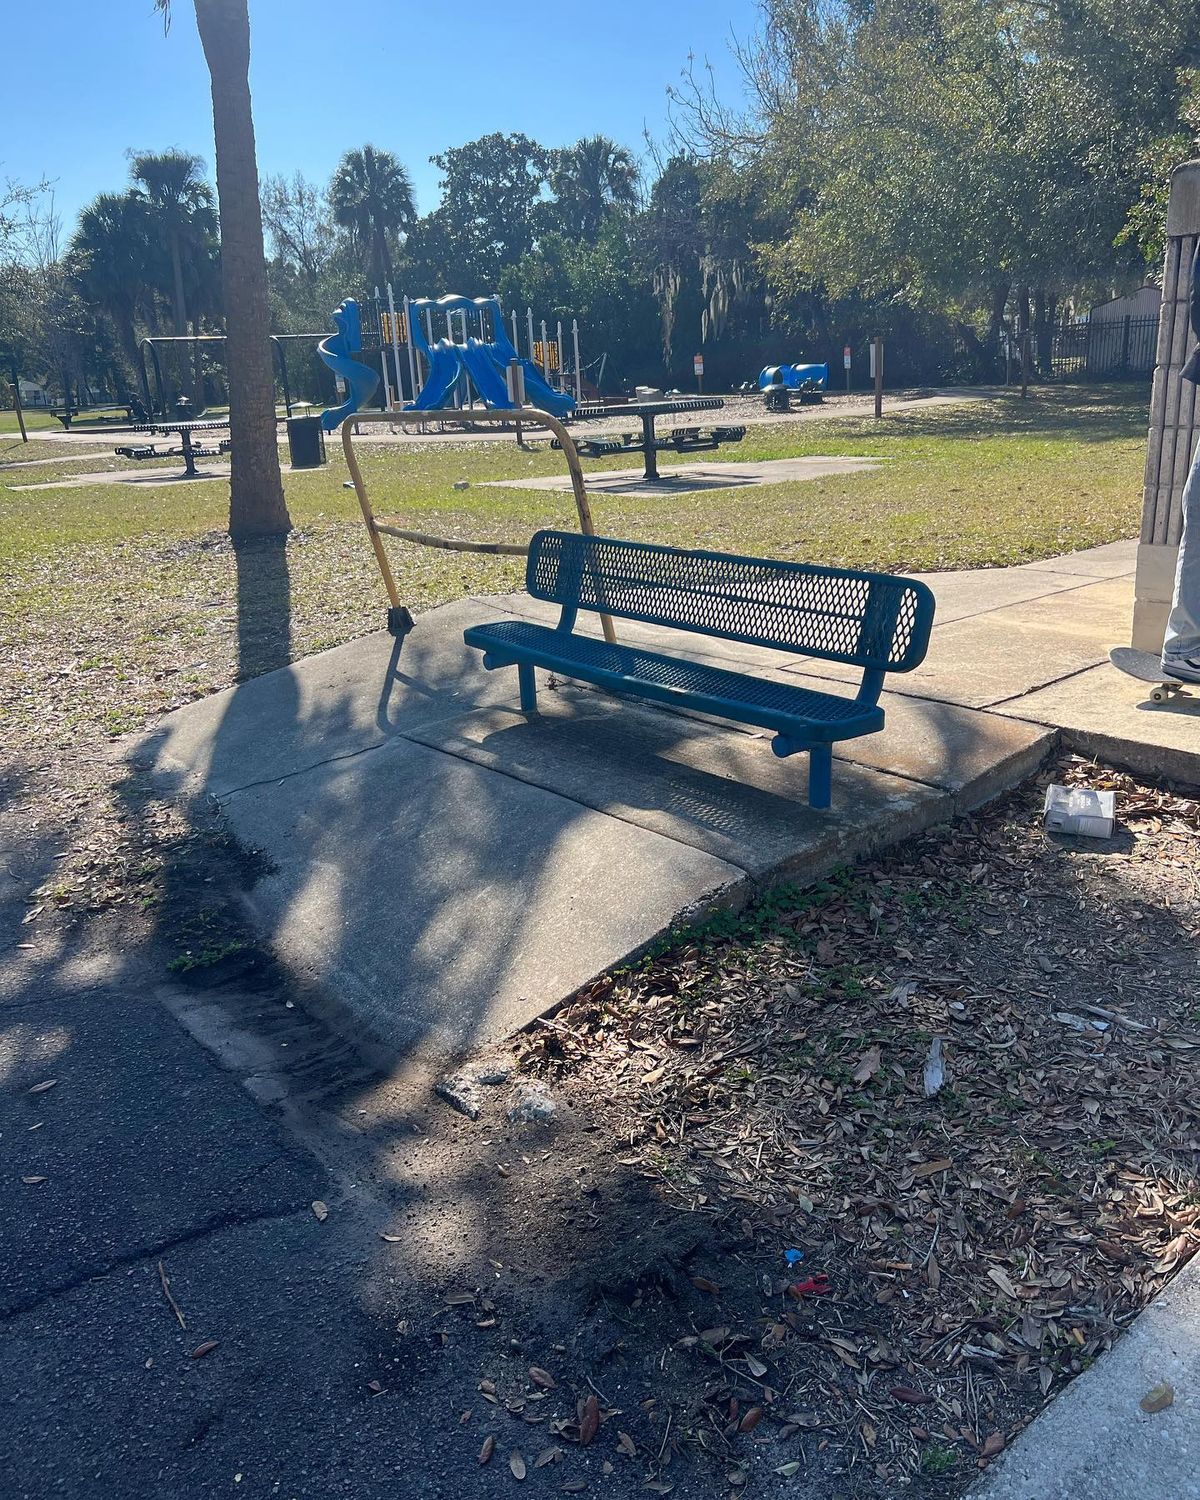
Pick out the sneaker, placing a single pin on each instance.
(1186, 668)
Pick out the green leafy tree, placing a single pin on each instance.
(590, 180)
(116, 251)
(179, 201)
(371, 196)
(487, 219)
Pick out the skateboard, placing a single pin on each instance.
(1147, 667)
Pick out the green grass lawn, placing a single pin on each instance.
(119, 601)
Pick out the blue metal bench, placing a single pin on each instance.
(876, 621)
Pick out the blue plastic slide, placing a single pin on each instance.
(485, 364)
(795, 376)
(336, 351)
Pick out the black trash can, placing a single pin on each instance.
(306, 442)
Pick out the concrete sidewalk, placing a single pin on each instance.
(443, 870)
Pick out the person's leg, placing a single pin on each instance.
(1181, 643)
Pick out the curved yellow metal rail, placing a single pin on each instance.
(531, 416)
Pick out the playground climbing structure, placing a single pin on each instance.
(339, 351)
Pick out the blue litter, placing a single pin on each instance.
(793, 1257)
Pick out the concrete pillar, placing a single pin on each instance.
(1174, 419)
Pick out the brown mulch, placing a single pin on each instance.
(984, 1239)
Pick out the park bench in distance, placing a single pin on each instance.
(877, 621)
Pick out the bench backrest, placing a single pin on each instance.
(878, 621)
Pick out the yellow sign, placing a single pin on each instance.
(546, 354)
(385, 328)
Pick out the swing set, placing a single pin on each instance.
(338, 351)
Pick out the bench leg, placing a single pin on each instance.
(528, 687)
(820, 776)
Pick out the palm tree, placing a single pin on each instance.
(371, 195)
(589, 180)
(115, 250)
(172, 185)
(256, 503)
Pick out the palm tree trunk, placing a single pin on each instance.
(256, 503)
(180, 302)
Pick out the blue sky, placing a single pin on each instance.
(102, 78)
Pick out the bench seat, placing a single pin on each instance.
(876, 622)
(798, 712)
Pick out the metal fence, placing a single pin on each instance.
(1102, 349)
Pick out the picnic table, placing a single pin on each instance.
(682, 440)
(185, 428)
(66, 413)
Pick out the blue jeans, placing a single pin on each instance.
(1182, 640)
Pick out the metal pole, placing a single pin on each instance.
(558, 340)
(514, 324)
(545, 351)
(412, 362)
(877, 361)
(16, 390)
(578, 372)
(383, 363)
(395, 344)
(529, 320)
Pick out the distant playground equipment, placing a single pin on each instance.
(406, 336)
(341, 351)
(777, 382)
(478, 365)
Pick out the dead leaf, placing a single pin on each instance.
(206, 1347)
(702, 1284)
(868, 1064)
(910, 1395)
(932, 1168)
(589, 1421)
(1002, 1279)
(1158, 1398)
(787, 1470)
(392, 1239)
(375, 1387)
(755, 1366)
(33, 1181)
(550, 1455)
(485, 1453)
(626, 1444)
(46, 1083)
(460, 1299)
(321, 1210)
(542, 1378)
(751, 1419)
(574, 1486)
(992, 1444)
(517, 1464)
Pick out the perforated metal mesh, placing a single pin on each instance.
(687, 678)
(874, 620)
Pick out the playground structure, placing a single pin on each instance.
(478, 365)
(403, 336)
(809, 381)
(339, 351)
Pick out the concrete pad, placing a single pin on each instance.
(990, 658)
(1093, 1442)
(974, 756)
(1103, 712)
(682, 478)
(435, 905)
(1113, 560)
(978, 591)
(335, 703)
(712, 788)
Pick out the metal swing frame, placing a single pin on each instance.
(400, 621)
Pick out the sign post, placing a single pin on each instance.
(846, 365)
(16, 390)
(877, 373)
(698, 367)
